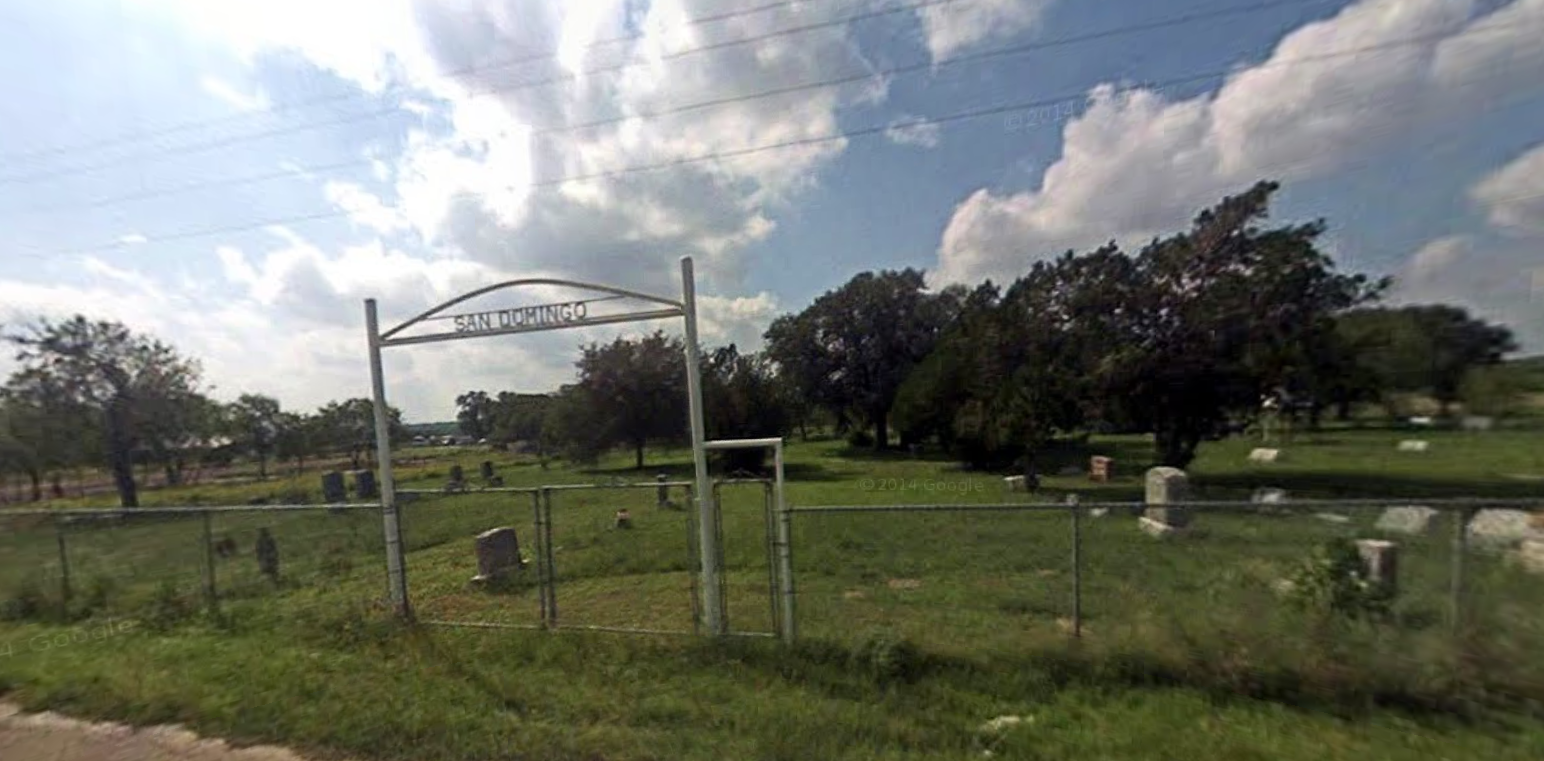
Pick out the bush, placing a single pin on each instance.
(860, 438)
(887, 657)
(25, 602)
(168, 608)
(1333, 581)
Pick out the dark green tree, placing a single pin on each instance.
(852, 349)
(125, 380)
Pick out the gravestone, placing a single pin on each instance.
(487, 470)
(1406, 520)
(624, 519)
(1165, 486)
(1015, 483)
(1478, 423)
(332, 487)
(1423, 421)
(1492, 528)
(498, 551)
(1530, 555)
(1268, 497)
(267, 555)
(364, 484)
(457, 480)
(1380, 561)
(1100, 468)
(1413, 445)
(1262, 455)
(662, 492)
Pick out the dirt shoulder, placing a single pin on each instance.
(52, 737)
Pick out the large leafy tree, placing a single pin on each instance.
(522, 417)
(255, 420)
(630, 392)
(126, 381)
(742, 399)
(852, 349)
(1424, 348)
(349, 426)
(1229, 312)
(476, 414)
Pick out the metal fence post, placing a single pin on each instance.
(769, 515)
(1077, 567)
(210, 593)
(790, 628)
(1456, 582)
(552, 571)
(64, 568)
(693, 551)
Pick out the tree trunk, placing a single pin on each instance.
(123, 476)
(638, 454)
(37, 484)
(57, 484)
(262, 466)
(881, 432)
(1343, 410)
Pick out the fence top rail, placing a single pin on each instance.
(736, 481)
(121, 512)
(628, 485)
(1435, 504)
(467, 492)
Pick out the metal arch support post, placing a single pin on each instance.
(707, 517)
(396, 570)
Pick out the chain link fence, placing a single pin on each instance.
(1422, 595)
(160, 565)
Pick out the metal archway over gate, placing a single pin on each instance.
(531, 319)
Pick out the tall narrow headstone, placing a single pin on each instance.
(267, 555)
(1166, 486)
(663, 493)
(365, 486)
(487, 469)
(1380, 561)
(332, 487)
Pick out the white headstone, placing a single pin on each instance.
(1264, 455)
(1014, 483)
(1406, 520)
(1422, 420)
(1413, 445)
(1503, 527)
(1268, 496)
(1164, 486)
(1478, 423)
(1530, 555)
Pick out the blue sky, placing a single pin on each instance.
(237, 177)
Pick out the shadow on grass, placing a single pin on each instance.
(682, 471)
(1348, 484)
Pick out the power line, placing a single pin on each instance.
(987, 55)
(344, 97)
(393, 110)
(802, 142)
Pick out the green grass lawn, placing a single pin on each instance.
(916, 627)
